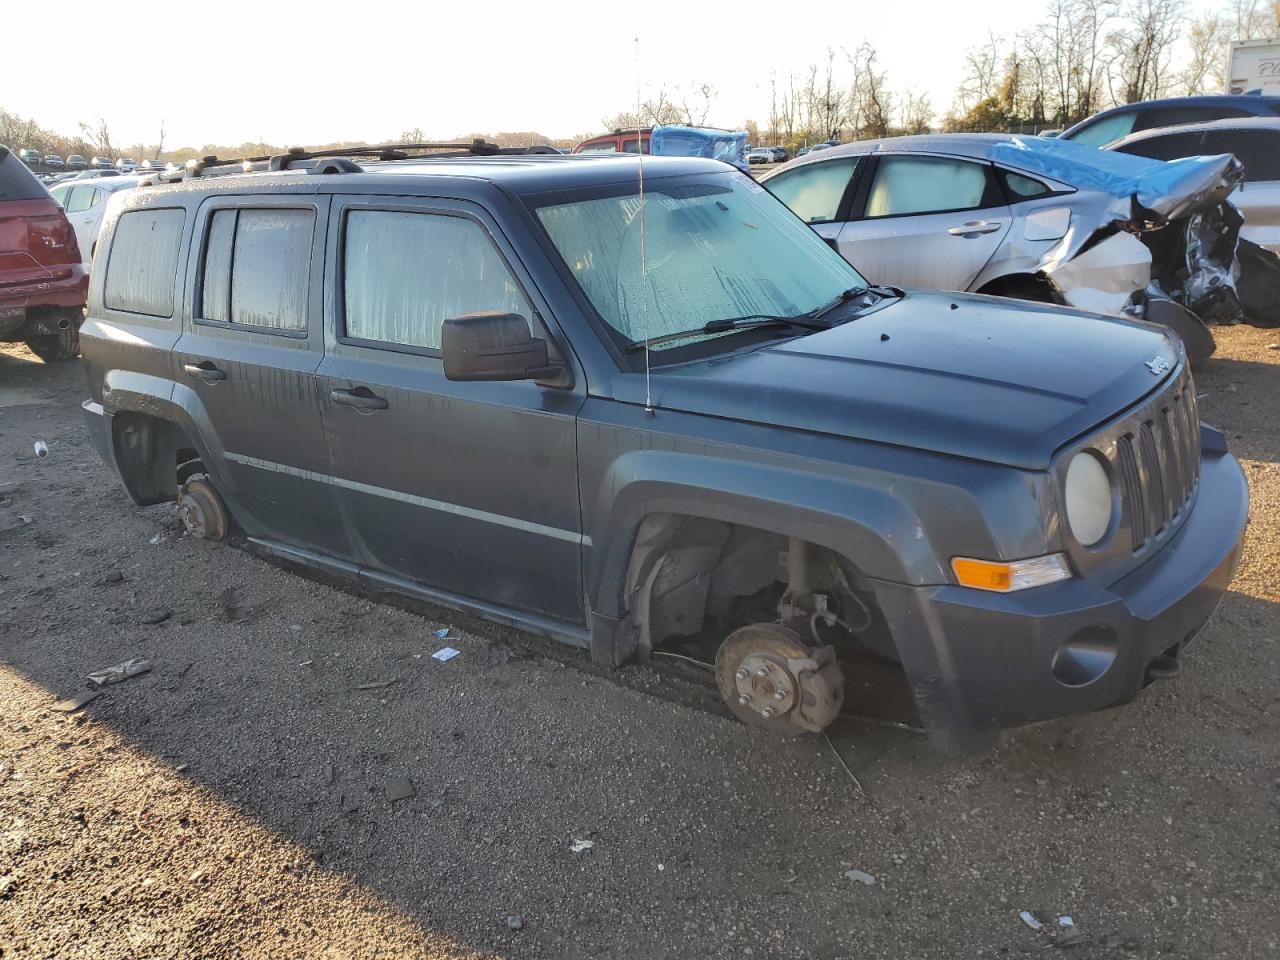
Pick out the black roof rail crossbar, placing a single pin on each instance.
(382, 151)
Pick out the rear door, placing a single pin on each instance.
(85, 214)
(926, 221)
(468, 488)
(249, 352)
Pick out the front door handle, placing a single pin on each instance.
(975, 228)
(362, 398)
(205, 370)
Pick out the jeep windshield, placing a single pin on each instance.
(716, 248)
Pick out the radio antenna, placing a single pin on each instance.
(644, 270)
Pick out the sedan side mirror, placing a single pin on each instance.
(495, 346)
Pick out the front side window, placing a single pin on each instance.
(143, 263)
(1106, 130)
(405, 273)
(814, 191)
(257, 268)
(911, 185)
(715, 247)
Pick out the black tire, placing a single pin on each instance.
(56, 347)
(203, 513)
(1024, 287)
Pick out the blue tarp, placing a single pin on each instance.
(726, 145)
(1166, 188)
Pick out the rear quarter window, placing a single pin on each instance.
(143, 262)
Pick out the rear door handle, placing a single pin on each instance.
(205, 370)
(975, 228)
(362, 398)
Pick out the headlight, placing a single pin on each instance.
(1087, 492)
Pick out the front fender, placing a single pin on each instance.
(868, 526)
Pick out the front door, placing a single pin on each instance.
(468, 488)
(927, 222)
(250, 352)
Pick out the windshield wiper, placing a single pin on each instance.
(752, 321)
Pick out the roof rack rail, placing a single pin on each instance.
(214, 166)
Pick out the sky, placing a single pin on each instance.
(314, 71)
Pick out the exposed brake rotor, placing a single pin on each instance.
(770, 678)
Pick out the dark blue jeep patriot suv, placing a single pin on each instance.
(627, 402)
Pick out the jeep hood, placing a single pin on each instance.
(970, 376)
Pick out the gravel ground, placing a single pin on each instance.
(234, 801)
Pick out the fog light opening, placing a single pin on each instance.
(1085, 657)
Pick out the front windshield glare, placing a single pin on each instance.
(715, 247)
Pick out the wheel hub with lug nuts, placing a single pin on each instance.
(765, 685)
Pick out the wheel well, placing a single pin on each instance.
(154, 456)
(1023, 286)
(694, 580)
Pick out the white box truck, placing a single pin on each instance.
(1254, 67)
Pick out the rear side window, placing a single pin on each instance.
(17, 182)
(1170, 147)
(913, 185)
(1258, 150)
(813, 191)
(1175, 116)
(144, 261)
(257, 268)
(404, 274)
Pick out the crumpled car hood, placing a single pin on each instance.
(990, 379)
(1168, 190)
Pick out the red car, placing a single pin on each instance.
(42, 281)
(633, 140)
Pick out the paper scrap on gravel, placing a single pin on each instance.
(72, 704)
(445, 654)
(121, 671)
(579, 846)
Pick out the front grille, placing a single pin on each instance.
(1159, 462)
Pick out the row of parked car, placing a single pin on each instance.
(33, 158)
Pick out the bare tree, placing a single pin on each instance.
(160, 144)
(1207, 39)
(99, 135)
(696, 104)
(413, 135)
(1141, 48)
(916, 111)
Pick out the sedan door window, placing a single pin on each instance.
(911, 185)
(814, 191)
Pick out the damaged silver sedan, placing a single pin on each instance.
(1032, 218)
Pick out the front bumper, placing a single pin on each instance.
(982, 661)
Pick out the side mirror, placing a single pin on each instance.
(495, 346)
